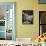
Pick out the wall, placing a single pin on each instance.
(26, 31)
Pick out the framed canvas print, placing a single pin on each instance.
(42, 1)
(7, 20)
(27, 17)
(42, 22)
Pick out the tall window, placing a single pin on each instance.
(42, 22)
(7, 21)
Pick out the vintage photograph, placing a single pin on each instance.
(27, 17)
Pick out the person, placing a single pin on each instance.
(39, 38)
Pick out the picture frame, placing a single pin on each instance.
(27, 16)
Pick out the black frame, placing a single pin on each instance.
(29, 13)
(39, 20)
